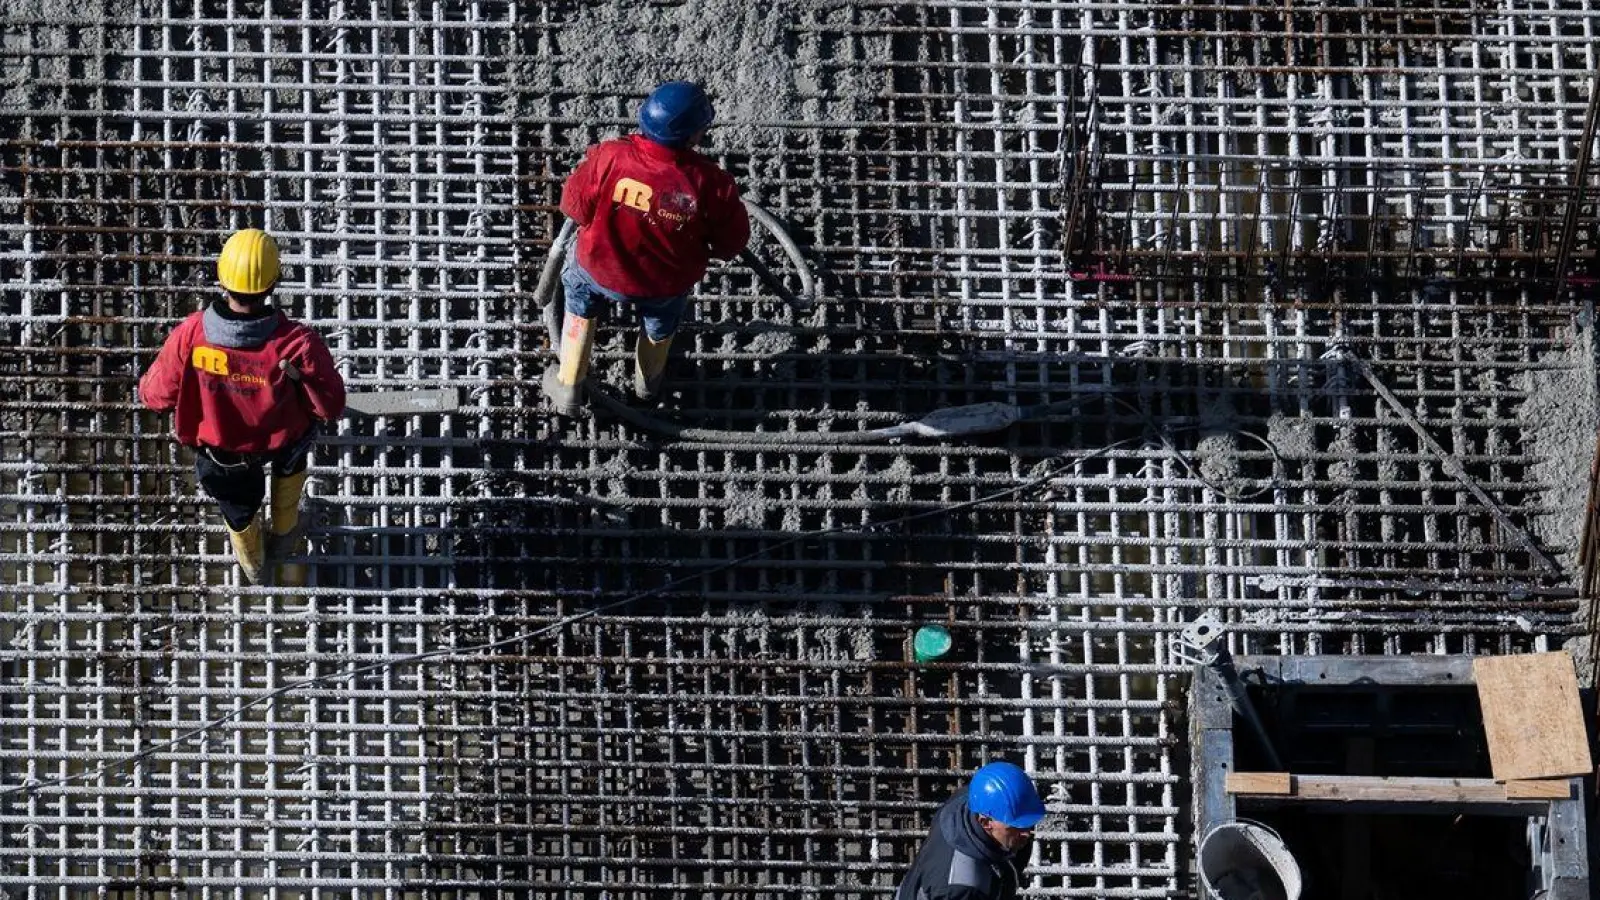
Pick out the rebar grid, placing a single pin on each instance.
(1035, 202)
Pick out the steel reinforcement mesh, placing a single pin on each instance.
(1184, 235)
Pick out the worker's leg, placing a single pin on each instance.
(660, 323)
(290, 467)
(237, 483)
(584, 304)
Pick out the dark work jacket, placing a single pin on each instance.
(961, 862)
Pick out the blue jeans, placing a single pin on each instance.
(588, 299)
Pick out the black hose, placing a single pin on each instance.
(808, 296)
(549, 276)
(805, 301)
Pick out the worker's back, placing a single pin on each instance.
(959, 862)
(223, 377)
(652, 216)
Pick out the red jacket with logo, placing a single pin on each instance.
(238, 398)
(652, 216)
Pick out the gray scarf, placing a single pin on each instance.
(238, 334)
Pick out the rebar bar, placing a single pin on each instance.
(1156, 219)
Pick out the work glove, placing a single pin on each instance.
(290, 370)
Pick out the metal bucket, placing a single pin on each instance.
(1248, 861)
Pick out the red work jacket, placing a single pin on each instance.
(652, 216)
(238, 398)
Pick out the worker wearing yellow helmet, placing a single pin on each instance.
(249, 386)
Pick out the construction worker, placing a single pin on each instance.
(651, 214)
(249, 386)
(979, 842)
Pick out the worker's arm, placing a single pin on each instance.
(158, 389)
(581, 192)
(319, 378)
(729, 229)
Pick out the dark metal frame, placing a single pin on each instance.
(1557, 832)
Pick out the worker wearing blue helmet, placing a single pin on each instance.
(651, 213)
(979, 842)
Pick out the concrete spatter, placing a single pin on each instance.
(768, 341)
(831, 642)
(1218, 447)
(741, 640)
(771, 343)
(758, 71)
(615, 471)
(747, 507)
(1344, 467)
(902, 471)
(1294, 437)
(1559, 425)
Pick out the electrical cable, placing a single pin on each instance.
(1051, 472)
(952, 422)
(1193, 470)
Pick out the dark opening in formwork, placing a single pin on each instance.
(1398, 718)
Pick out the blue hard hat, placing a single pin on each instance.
(1005, 793)
(674, 111)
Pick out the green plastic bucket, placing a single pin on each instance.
(930, 643)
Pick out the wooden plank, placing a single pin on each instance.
(1531, 716)
(1550, 789)
(1259, 783)
(1352, 788)
(1373, 789)
(403, 403)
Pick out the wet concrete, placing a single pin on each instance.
(1560, 421)
(1294, 437)
(760, 72)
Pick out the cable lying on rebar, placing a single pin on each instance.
(951, 422)
(1046, 472)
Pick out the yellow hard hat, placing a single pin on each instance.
(249, 262)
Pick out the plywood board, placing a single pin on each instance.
(1531, 715)
(1259, 783)
(1548, 789)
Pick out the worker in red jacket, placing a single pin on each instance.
(651, 214)
(249, 386)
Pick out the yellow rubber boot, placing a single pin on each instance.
(249, 550)
(649, 365)
(286, 492)
(564, 383)
(285, 529)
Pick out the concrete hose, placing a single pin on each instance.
(805, 301)
(977, 418)
(544, 292)
(808, 296)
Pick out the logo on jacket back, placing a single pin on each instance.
(633, 194)
(675, 207)
(212, 361)
(209, 360)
